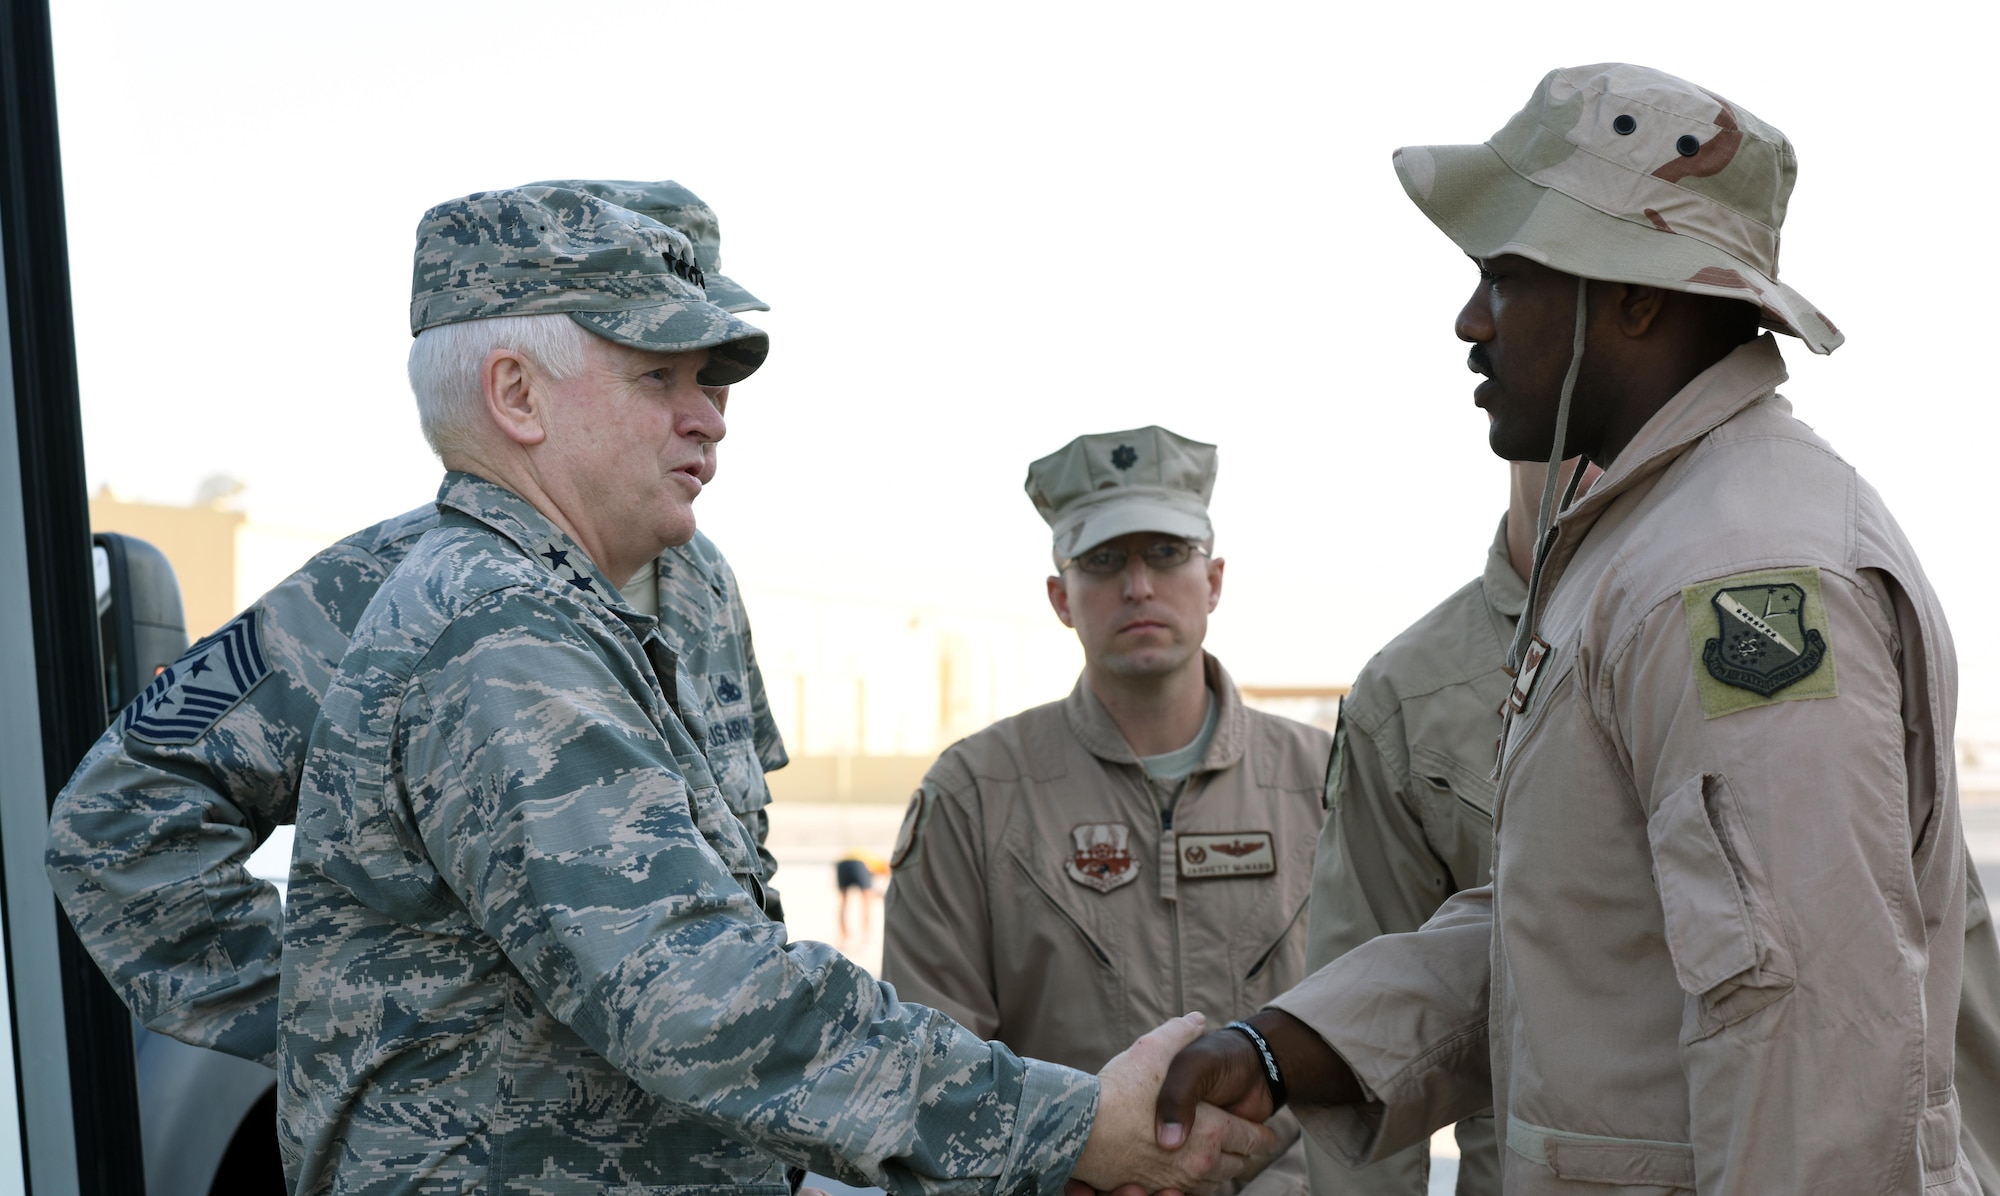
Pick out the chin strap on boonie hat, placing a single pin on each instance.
(1524, 631)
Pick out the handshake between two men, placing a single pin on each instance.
(1183, 1111)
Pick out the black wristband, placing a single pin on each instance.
(1273, 1079)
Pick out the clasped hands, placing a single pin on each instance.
(1182, 1111)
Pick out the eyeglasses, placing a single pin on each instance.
(1159, 556)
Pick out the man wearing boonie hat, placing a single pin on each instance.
(1076, 873)
(523, 946)
(149, 841)
(1721, 949)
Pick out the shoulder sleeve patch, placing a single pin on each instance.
(912, 833)
(1758, 639)
(192, 694)
(1336, 764)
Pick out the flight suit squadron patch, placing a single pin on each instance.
(1101, 856)
(1759, 639)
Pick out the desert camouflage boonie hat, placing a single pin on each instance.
(1627, 174)
(539, 249)
(681, 209)
(1111, 484)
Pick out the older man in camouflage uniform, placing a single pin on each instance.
(149, 841)
(1721, 947)
(524, 951)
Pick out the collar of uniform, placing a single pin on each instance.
(1091, 723)
(537, 536)
(1750, 372)
(1506, 593)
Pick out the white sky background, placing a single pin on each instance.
(984, 230)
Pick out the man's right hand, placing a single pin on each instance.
(1122, 1150)
(1225, 1070)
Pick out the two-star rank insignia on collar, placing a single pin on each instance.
(558, 559)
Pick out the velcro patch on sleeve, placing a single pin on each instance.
(1336, 763)
(911, 834)
(1758, 639)
(192, 694)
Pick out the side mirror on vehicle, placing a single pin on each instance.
(139, 621)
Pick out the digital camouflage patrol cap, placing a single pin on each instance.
(1627, 174)
(544, 248)
(1100, 487)
(678, 208)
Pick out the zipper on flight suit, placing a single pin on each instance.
(1169, 868)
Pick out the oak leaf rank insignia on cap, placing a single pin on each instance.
(1110, 484)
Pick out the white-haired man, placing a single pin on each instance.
(524, 950)
(149, 842)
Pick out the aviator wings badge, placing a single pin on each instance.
(1763, 644)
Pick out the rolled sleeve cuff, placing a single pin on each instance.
(1057, 1107)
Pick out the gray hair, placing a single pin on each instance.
(446, 359)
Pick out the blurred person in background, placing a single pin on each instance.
(854, 877)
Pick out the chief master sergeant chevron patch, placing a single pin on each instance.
(190, 694)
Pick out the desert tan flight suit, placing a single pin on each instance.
(1410, 822)
(1721, 949)
(1042, 897)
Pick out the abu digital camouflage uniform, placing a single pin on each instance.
(149, 840)
(523, 953)
(703, 620)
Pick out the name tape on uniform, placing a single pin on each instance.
(1227, 853)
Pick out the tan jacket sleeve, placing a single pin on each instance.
(1374, 872)
(1795, 888)
(937, 935)
(1408, 1014)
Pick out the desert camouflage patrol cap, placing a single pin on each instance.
(543, 248)
(1110, 484)
(678, 208)
(1627, 174)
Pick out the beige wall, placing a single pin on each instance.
(200, 543)
(873, 780)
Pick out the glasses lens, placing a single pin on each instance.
(1168, 554)
(1102, 562)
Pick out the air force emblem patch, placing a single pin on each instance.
(1759, 638)
(1101, 856)
(192, 693)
